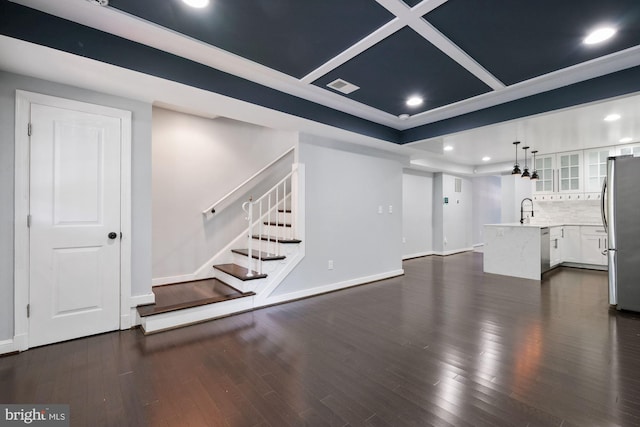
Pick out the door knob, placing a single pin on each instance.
(112, 235)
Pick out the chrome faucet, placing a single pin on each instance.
(522, 209)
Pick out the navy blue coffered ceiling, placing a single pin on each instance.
(387, 78)
(291, 36)
(519, 40)
(472, 63)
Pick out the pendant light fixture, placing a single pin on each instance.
(534, 175)
(516, 166)
(525, 173)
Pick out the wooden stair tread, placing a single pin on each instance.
(255, 254)
(239, 272)
(277, 224)
(178, 296)
(273, 239)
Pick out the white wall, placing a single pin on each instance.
(438, 212)
(196, 161)
(452, 226)
(487, 205)
(345, 185)
(417, 213)
(514, 189)
(141, 182)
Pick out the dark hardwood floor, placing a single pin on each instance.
(443, 345)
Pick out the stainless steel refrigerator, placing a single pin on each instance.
(621, 218)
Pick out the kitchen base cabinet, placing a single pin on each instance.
(594, 243)
(555, 243)
(571, 250)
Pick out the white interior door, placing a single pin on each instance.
(74, 269)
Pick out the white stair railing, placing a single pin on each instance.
(271, 202)
(224, 200)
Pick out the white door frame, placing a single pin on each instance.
(21, 237)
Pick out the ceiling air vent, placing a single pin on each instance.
(343, 86)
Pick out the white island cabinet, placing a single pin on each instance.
(518, 250)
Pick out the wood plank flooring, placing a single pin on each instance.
(443, 345)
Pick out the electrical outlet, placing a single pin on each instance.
(330, 264)
(380, 209)
(445, 241)
(390, 209)
(404, 240)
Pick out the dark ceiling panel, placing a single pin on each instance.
(403, 65)
(519, 40)
(412, 3)
(291, 36)
(17, 21)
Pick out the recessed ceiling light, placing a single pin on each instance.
(612, 117)
(447, 148)
(486, 158)
(197, 3)
(599, 35)
(414, 101)
(627, 139)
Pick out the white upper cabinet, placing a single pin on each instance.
(545, 165)
(595, 168)
(559, 173)
(576, 175)
(633, 149)
(569, 172)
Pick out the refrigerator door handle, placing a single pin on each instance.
(603, 211)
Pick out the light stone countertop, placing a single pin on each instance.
(517, 224)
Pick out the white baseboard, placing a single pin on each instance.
(417, 255)
(277, 299)
(453, 251)
(7, 346)
(17, 343)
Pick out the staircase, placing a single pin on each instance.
(247, 271)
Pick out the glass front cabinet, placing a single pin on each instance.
(576, 175)
(560, 175)
(633, 149)
(595, 170)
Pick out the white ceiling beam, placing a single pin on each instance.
(450, 49)
(355, 50)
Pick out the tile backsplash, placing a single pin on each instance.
(567, 212)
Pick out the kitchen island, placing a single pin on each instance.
(518, 250)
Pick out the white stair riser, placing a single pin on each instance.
(241, 285)
(280, 232)
(174, 319)
(281, 217)
(244, 261)
(271, 247)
